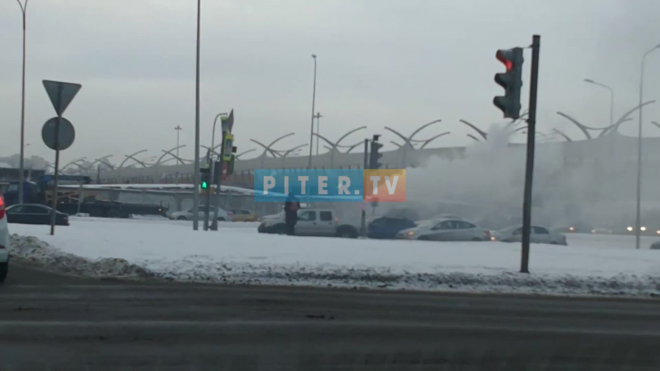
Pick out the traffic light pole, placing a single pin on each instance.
(216, 199)
(363, 220)
(529, 168)
(207, 198)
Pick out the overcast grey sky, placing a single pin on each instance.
(380, 63)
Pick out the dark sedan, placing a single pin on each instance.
(34, 214)
(387, 227)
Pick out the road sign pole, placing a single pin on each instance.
(529, 169)
(57, 166)
(214, 225)
(60, 94)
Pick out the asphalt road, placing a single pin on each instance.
(50, 322)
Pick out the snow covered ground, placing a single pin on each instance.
(607, 265)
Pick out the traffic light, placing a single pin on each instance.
(511, 81)
(204, 178)
(375, 155)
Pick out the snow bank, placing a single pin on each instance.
(239, 255)
(31, 249)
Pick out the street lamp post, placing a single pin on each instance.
(611, 97)
(178, 129)
(21, 176)
(311, 133)
(639, 150)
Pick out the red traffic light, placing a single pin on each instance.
(506, 57)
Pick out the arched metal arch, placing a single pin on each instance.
(100, 160)
(481, 132)
(267, 147)
(165, 153)
(242, 153)
(562, 134)
(473, 137)
(131, 156)
(433, 138)
(407, 141)
(350, 148)
(74, 162)
(616, 125)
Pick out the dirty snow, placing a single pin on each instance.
(603, 265)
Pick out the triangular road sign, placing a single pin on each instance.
(61, 94)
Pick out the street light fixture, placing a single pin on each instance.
(311, 133)
(639, 149)
(590, 81)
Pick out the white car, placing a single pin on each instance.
(188, 215)
(445, 230)
(4, 242)
(537, 235)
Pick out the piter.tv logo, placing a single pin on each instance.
(330, 185)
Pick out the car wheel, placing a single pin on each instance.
(423, 238)
(4, 269)
(280, 229)
(347, 232)
(182, 218)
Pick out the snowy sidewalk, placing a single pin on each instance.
(238, 254)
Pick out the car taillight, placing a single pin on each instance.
(2, 207)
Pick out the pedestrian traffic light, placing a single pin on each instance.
(511, 81)
(204, 178)
(374, 157)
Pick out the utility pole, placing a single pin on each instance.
(196, 174)
(21, 176)
(529, 168)
(638, 217)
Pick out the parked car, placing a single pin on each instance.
(655, 246)
(445, 230)
(244, 215)
(388, 227)
(4, 242)
(537, 235)
(34, 214)
(188, 214)
(311, 222)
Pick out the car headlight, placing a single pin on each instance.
(572, 229)
(593, 231)
(629, 229)
(410, 233)
(266, 224)
(642, 228)
(493, 238)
